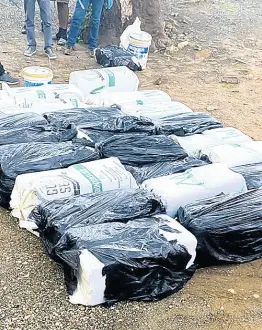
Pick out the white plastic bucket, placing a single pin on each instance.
(37, 76)
(139, 45)
(118, 79)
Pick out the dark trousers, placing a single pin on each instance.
(2, 70)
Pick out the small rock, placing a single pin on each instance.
(222, 308)
(182, 44)
(230, 80)
(232, 291)
(211, 108)
(256, 296)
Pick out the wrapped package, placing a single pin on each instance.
(186, 123)
(53, 218)
(234, 155)
(12, 121)
(38, 133)
(156, 110)
(25, 158)
(137, 150)
(228, 228)
(112, 56)
(194, 144)
(252, 174)
(180, 189)
(150, 171)
(35, 188)
(144, 259)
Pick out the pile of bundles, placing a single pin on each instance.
(130, 198)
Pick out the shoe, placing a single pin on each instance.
(69, 50)
(61, 42)
(7, 78)
(50, 53)
(30, 51)
(23, 31)
(57, 36)
(91, 52)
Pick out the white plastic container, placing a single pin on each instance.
(139, 45)
(24, 97)
(198, 183)
(37, 76)
(156, 109)
(130, 99)
(96, 176)
(118, 79)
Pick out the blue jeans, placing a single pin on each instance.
(45, 13)
(78, 19)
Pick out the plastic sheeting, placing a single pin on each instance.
(136, 150)
(112, 56)
(228, 228)
(201, 182)
(24, 158)
(55, 217)
(12, 121)
(145, 259)
(234, 155)
(35, 188)
(39, 133)
(252, 174)
(186, 123)
(151, 171)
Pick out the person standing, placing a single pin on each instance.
(77, 21)
(24, 26)
(6, 77)
(63, 15)
(45, 13)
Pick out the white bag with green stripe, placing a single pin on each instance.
(32, 189)
(180, 189)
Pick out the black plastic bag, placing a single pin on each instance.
(96, 118)
(144, 259)
(36, 157)
(186, 123)
(54, 218)
(145, 172)
(28, 119)
(252, 174)
(228, 228)
(141, 149)
(43, 133)
(112, 56)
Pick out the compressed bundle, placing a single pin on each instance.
(252, 174)
(186, 123)
(145, 259)
(228, 228)
(201, 182)
(24, 158)
(155, 170)
(235, 154)
(53, 218)
(136, 150)
(35, 188)
(194, 144)
(12, 121)
(39, 133)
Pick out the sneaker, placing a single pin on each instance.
(7, 78)
(30, 51)
(91, 52)
(61, 42)
(69, 50)
(50, 53)
(23, 31)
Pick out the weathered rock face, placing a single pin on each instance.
(124, 12)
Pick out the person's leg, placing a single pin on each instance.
(63, 13)
(6, 77)
(30, 27)
(97, 7)
(24, 26)
(77, 21)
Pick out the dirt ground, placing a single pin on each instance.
(223, 41)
